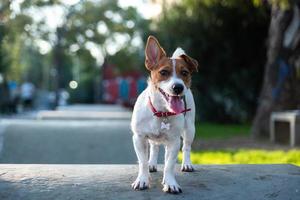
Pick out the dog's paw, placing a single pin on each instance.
(171, 186)
(152, 168)
(141, 183)
(173, 189)
(187, 168)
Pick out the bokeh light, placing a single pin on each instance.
(73, 84)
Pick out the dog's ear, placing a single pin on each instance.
(154, 52)
(192, 63)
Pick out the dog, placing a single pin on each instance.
(163, 113)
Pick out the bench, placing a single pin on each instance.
(290, 132)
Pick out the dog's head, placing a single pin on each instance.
(171, 76)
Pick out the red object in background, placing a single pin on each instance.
(108, 71)
(111, 85)
(111, 90)
(132, 74)
(133, 89)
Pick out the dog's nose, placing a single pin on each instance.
(177, 88)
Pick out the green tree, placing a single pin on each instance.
(228, 39)
(77, 46)
(4, 18)
(98, 26)
(281, 83)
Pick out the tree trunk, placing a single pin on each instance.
(281, 84)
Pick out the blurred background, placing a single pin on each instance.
(71, 70)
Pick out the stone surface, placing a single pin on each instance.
(241, 182)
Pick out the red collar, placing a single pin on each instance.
(165, 114)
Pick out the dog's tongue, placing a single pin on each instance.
(176, 104)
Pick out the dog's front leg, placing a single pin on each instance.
(140, 144)
(154, 148)
(169, 182)
(188, 137)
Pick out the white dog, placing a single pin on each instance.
(164, 112)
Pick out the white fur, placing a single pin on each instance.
(177, 53)
(147, 129)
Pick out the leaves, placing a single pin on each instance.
(228, 40)
(88, 32)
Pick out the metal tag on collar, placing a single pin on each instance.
(164, 125)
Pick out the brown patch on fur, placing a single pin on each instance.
(164, 64)
(191, 63)
(156, 61)
(183, 72)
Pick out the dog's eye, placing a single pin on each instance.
(164, 72)
(184, 73)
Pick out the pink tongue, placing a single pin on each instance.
(176, 104)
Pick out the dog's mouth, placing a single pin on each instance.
(175, 102)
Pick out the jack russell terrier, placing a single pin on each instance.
(164, 112)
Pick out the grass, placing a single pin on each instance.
(244, 156)
(221, 131)
(240, 156)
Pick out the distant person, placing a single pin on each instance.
(4, 97)
(14, 96)
(51, 99)
(27, 94)
(63, 97)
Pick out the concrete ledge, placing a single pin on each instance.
(83, 115)
(113, 182)
(93, 107)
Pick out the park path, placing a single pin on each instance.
(69, 138)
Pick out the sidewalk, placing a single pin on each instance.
(66, 142)
(24, 115)
(78, 134)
